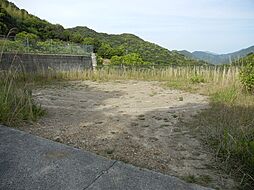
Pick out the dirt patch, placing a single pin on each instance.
(136, 122)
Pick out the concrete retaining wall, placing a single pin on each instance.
(38, 62)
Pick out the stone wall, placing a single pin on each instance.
(39, 62)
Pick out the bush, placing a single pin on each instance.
(99, 60)
(129, 59)
(247, 74)
(197, 79)
(27, 38)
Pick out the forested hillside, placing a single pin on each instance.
(105, 45)
(13, 17)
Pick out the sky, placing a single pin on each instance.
(219, 26)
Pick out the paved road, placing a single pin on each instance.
(29, 162)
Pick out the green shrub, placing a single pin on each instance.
(247, 74)
(27, 38)
(129, 59)
(99, 60)
(197, 79)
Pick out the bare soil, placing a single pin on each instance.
(137, 122)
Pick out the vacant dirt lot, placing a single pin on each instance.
(140, 123)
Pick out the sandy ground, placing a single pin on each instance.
(133, 121)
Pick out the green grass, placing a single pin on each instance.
(202, 180)
(226, 96)
(227, 127)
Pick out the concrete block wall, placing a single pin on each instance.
(38, 62)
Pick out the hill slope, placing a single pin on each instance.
(244, 60)
(13, 17)
(132, 44)
(218, 59)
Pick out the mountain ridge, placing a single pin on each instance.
(216, 59)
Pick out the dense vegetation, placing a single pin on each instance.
(244, 60)
(43, 47)
(247, 72)
(105, 45)
(127, 44)
(13, 17)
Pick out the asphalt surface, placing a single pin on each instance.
(30, 162)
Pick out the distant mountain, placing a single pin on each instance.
(187, 54)
(218, 58)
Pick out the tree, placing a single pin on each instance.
(55, 32)
(105, 51)
(129, 59)
(66, 35)
(119, 51)
(6, 21)
(24, 13)
(76, 38)
(29, 38)
(116, 60)
(92, 41)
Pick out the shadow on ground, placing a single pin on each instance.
(136, 122)
(229, 132)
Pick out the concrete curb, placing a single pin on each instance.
(30, 162)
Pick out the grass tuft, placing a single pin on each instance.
(16, 103)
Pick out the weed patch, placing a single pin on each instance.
(228, 127)
(16, 103)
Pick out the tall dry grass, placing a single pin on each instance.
(227, 126)
(218, 75)
(16, 102)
